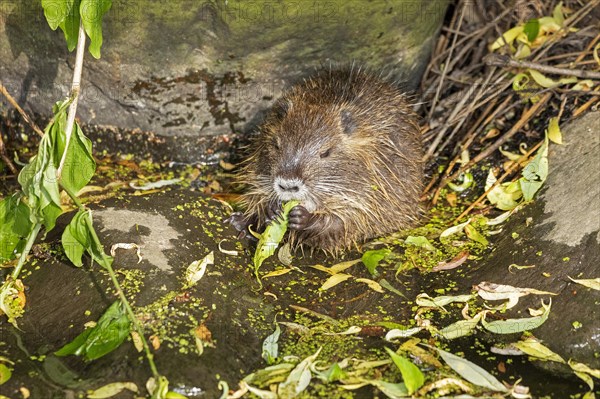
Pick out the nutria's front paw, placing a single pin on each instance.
(299, 218)
(240, 222)
(273, 211)
(237, 220)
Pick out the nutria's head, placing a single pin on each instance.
(306, 152)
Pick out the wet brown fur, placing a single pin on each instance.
(370, 183)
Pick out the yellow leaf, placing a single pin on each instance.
(520, 81)
(559, 16)
(337, 268)
(584, 85)
(583, 368)
(554, 133)
(334, 280)
(547, 82)
(508, 37)
(276, 273)
(374, 285)
(534, 348)
(340, 267)
(322, 268)
(593, 283)
(523, 51)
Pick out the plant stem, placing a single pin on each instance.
(134, 320)
(30, 240)
(74, 96)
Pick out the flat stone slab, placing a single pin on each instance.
(559, 234)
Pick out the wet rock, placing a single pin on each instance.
(172, 230)
(202, 68)
(559, 234)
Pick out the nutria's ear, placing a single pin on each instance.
(347, 122)
(280, 109)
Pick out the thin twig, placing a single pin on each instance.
(5, 158)
(588, 49)
(470, 138)
(505, 61)
(26, 117)
(585, 106)
(446, 64)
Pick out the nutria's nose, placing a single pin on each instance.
(289, 186)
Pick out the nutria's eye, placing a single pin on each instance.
(326, 153)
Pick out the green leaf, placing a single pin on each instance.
(532, 29)
(77, 346)
(79, 164)
(372, 258)
(476, 236)
(38, 177)
(110, 332)
(472, 372)
(440, 301)
(5, 373)
(15, 225)
(420, 241)
(75, 238)
(504, 196)
(411, 375)
(535, 173)
(63, 14)
(269, 240)
(270, 346)
(112, 389)
(391, 390)
(511, 326)
(56, 11)
(460, 328)
(333, 373)
(92, 12)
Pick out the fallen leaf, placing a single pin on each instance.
(195, 271)
(554, 133)
(460, 328)
(374, 285)
(471, 372)
(112, 389)
(334, 280)
(534, 348)
(511, 326)
(593, 283)
(412, 376)
(278, 272)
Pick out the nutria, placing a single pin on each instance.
(347, 145)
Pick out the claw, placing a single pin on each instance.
(273, 211)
